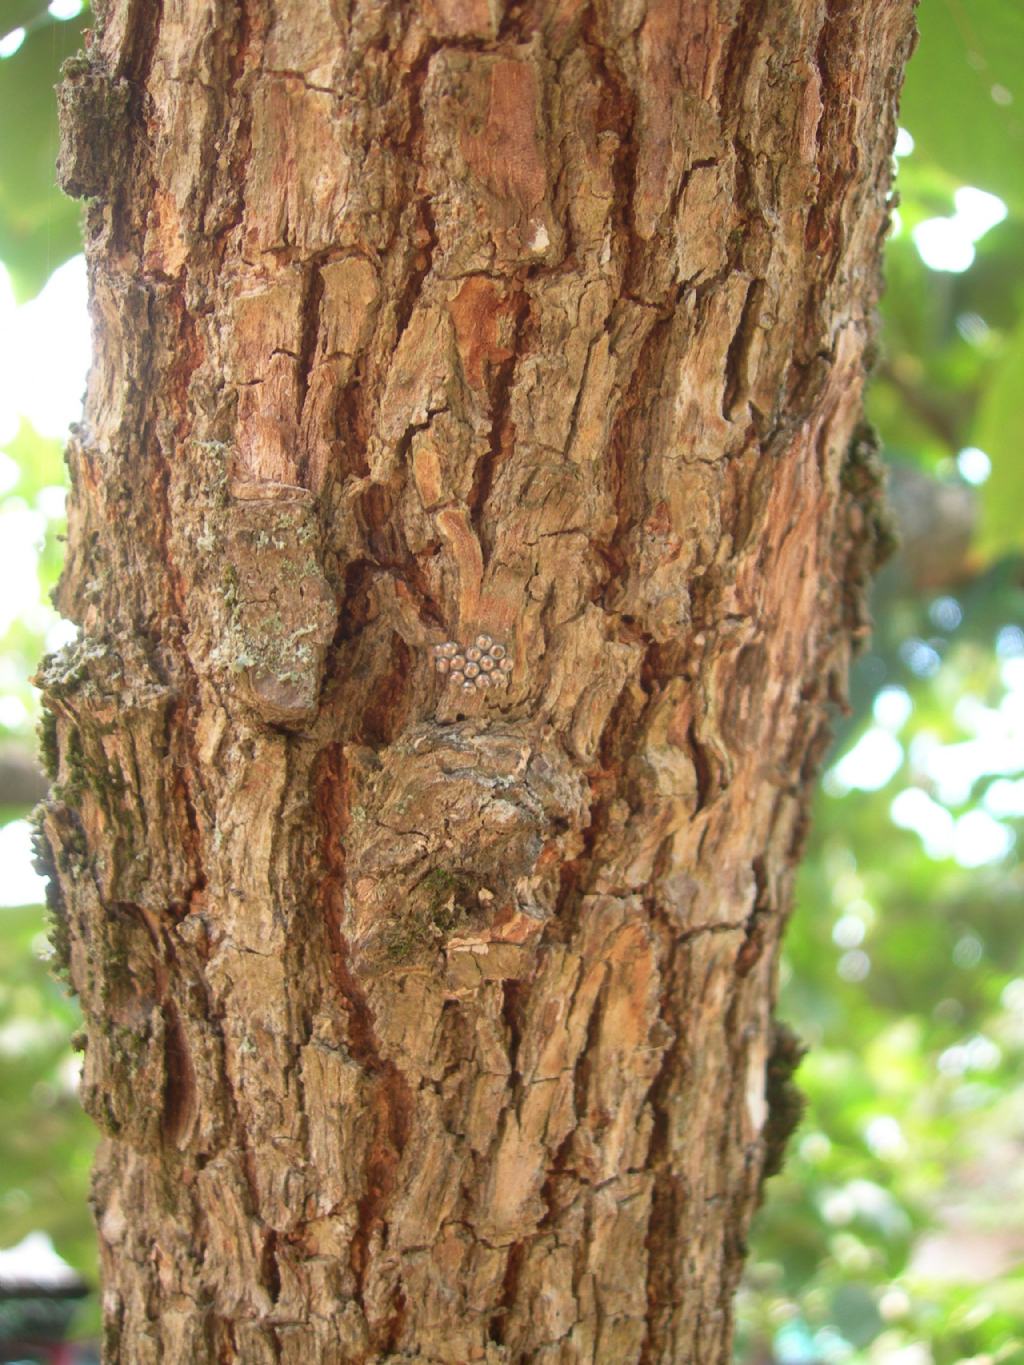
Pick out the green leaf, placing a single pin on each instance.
(963, 96)
(41, 460)
(22, 14)
(999, 431)
(45, 1139)
(855, 1314)
(39, 226)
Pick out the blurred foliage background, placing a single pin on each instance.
(895, 1232)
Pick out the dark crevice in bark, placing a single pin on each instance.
(503, 432)
(668, 1194)
(707, 163)
(704, 769)
(509, 1291)
(511, 1007)
(618, 114)
(391, 1103)
(269, 1268)
(180, 728)
(740, 1198)
(179, 1099)
(332, 803)
(378, 525)
(355, 607)
(236, 52)
(387, 708)
(188, 355)
(141, 31)
(420, 255)
(351, 427)
(756, 928)
(734, 391)
(626, 440)
(831, 105)
(310, 311)
(392, 1334)
(419, 248)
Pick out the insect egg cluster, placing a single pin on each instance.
(482, 665)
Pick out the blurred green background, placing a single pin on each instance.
(895, 1232)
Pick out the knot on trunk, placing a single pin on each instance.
(282, 609)
(94, 108)
(457, 837)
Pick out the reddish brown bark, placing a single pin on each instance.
(429, 1022)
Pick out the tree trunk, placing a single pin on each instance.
(428, 999)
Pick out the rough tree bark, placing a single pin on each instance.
(428, 1020)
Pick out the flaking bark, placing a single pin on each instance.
(429, 1024)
